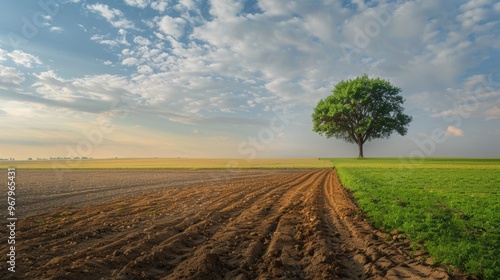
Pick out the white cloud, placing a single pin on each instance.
(56, 29)
(225, 8)
(123, 23)
(451, 112)
(107, 62)
(114, 16)
(144, 69)
(82, 27)
(88, 94)
(142, 41)
(46, 20)
(186, 5)
(360, 4)
(493, 112)
(111, 43)
(453, 131)
(159, 5)
(24, 59)
(476, 95)
(101, 40)
(182, 120)
(471, 4)
(471, 18)
(137, 3)
(274, 7)
(130, 61)
(10, 78)
(496, 7)
(105, 11)
(3, 55)
(51, 86)
(172, 26)
(123, 39)
(104, 40)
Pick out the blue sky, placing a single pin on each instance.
(189, 78)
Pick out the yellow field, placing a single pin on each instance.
(168, 163)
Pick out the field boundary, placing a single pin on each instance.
(387, 254)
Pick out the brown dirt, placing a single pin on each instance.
(269, 225)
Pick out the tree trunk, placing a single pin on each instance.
(360, 146)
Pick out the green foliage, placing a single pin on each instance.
(360, 110)
(451, 204)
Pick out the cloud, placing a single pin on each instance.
(105, 11)
(82, 27)
(476, 96)
(160, 6)
(453, 131)
(493, 112)
(451, 112)
(142, 41)
(172, 26)
(123, 39)
(111, 43)
(47, 22)
(3, 55)
(56, 29)
(144, 69)
(10, 78)
(137, 3)
(186, 5)
(24, 59)
(225, 8)
(50, 85)
(90, 93)
(105, 40)
(130, 61)
(114, 16)
(472, 4)
(101, 40)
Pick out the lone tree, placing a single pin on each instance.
(360, 110)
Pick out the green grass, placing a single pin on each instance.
(168, 163)
(451, 204)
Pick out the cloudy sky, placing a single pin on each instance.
(226, 78)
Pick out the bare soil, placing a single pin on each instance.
(203, 225)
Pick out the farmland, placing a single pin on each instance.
(264, 218)
(446, 206)
(204, 223)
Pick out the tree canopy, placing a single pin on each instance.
(360, 110)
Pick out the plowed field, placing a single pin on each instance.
(257, 225)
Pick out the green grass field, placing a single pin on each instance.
(167, 163)
(453, 205)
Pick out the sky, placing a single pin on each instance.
(240, 79)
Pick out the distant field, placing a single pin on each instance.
(167, 163)
(450, 205)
